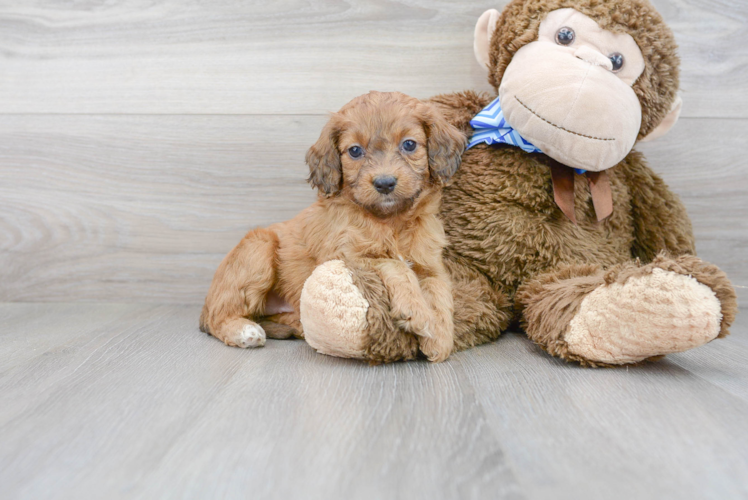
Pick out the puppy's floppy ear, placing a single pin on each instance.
(445, 143)
(325, 169)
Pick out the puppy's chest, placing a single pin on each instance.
(391, 246)
(393, 251)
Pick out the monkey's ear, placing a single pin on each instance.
(445, 144)
(484, 29)
(667, 123)
(325, 170)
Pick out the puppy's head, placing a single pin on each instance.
(382, 150)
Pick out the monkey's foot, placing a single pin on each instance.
(632, 312)
(333, 312)
(345, 313)
(659, 313)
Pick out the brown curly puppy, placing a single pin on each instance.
(379, 165)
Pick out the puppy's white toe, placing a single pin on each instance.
(251, 336)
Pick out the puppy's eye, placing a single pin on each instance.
(617, 60)
(409, 145)
(356, 152)
(565, 36)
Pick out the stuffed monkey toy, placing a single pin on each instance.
(554, 221)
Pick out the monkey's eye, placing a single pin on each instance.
(409, 145)
(356, 152)
(617, 60)
(565, 36)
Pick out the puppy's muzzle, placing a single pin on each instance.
(385, 184)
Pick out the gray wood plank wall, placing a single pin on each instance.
(139, 140)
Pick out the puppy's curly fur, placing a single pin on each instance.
(393, 230)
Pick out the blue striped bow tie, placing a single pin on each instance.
(491, 128)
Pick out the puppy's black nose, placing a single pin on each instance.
(385, 184)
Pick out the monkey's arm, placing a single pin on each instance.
(461, 107)
(659, 217)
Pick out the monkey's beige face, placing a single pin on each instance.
(384, 160)
(570, 92)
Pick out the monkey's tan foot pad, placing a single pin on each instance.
(333, 312)
(650, 315)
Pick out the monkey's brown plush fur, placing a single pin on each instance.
(507, 236)
(576, 289)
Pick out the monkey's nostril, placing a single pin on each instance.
(385, 184)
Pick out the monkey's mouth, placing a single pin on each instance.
(560, 127)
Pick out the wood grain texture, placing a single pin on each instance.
(151, 408)
(656, 431)
(297, 57)
(143, 208)
(142, 405)
(140, 208)
(28, 331)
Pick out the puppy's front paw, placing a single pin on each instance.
(417, 320)
(437, 348)
(251, 335)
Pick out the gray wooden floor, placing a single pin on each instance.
(140, 139)
(131, 401)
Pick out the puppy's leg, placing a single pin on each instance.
(240, 332)
(437, 291)
(282, 326)
(408, 305)
(239, 290)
